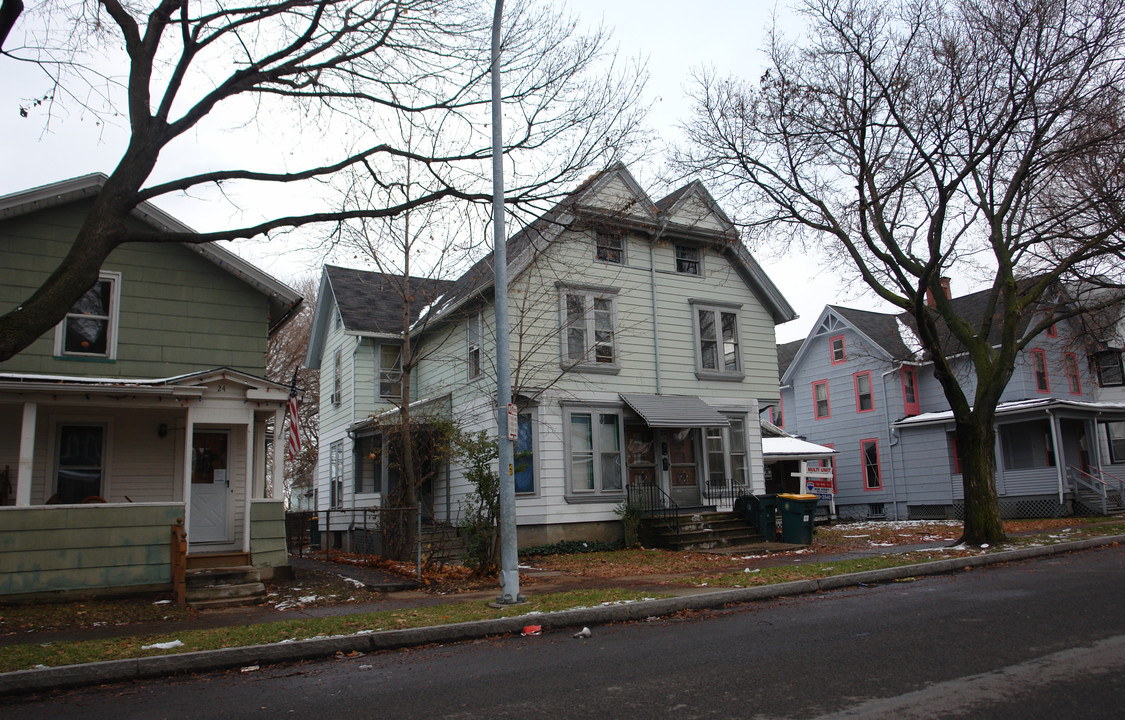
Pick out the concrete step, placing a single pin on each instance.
(239, 575)
(224, 587)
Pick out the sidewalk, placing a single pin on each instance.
(683, 598)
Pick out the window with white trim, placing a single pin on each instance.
(474, 334)
(595, 465)
(336, 474)
(390, 372)
(689, 260)
(89, 329)
(719, 342)
(80, 467)
(368, 464)
(589, 328)
(724, 451)
(1115, 436)
(609, 248)
(524, 452)
(1108, 364)
(337, 382)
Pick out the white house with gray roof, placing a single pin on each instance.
(643, 349)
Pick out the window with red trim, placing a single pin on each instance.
(910, 404)
(1039, 361)
(839, 355)
(864, 400)
(1052, 329)
(777, 414)
(1072, 377)
(872, 473)
(955, 450)
(821, 407)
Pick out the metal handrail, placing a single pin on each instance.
(727, 493)
(1109, 483)
(1099, 486)
(656, 504)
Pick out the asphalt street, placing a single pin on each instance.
(1042, 638)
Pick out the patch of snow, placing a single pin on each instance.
(162, 602)
(352, 581)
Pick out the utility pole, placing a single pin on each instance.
(509, 568)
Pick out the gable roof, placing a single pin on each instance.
(785, 354)
(371, 303)
(284, 300)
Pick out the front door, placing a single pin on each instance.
(683, 469)
(210, 487)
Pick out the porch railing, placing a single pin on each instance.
(655, 504)
(1099, 483)
(723, 496)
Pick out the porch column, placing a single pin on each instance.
(280, 445)
(189, 441)
(250, 480)
(27, 455)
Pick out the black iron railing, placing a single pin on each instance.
(655, 504)
(725, 494)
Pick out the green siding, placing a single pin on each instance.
(179, 313)
(44, 549)
(267, 534)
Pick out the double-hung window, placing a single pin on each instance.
(80, 469)
(337, 373)
(864, 400)
(609, 248)
(525, 452)
(838, 352)
(910, 404)
(726, 456)
(1108, 363)
(872, 475)
(89, 329)
(473, 333)
(689, 260)
(1073, 378)
(821, 407)
(1039, 361)
(589, 328)
(336, 474)
(594, 453)
(390, 372)
(720, 350)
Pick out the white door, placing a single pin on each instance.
(210, 487)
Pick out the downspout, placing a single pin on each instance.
(1058, 455)
(892, 439)
(652, 288)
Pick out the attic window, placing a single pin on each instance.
(839, 354)
(89, 329)
(687, 260)
(610, 248)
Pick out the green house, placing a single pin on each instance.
(145, 408)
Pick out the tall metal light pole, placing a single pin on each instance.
(509, 569)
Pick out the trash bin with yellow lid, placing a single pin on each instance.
(797, 515)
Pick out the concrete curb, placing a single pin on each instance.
(71, 676)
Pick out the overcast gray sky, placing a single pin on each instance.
(674, 37)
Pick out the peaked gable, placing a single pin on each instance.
(692, 206)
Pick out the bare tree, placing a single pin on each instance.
(925, 138)
(285, 360)
(347, 64)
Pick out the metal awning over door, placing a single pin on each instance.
(674, 411)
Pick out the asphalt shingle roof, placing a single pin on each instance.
(372, 302)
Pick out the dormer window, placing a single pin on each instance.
(687, 260)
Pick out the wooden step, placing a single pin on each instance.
(214, 587)
(217, 560)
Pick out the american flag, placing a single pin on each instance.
(294, 434)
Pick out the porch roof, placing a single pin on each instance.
(1114, 410)
(189, 385)
(786, 448)
(675, 411)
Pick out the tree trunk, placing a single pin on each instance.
(976, 440)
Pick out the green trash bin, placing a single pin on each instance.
(797, 515)
(761, 512)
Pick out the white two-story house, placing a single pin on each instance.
(643, 349)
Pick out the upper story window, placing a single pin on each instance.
(777, 412)
(1052, 329)
(609, 248)
(337, 371)
(1039, 361)
(689, 260)
(1108, 364)
(390, 371)
(720, 355)
(473, 333)
(90, 327)
(821, 407)
(910, 404)
(864, 399)
(1074, 380)
(338, 319)
(838, 353)
(589, 328)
